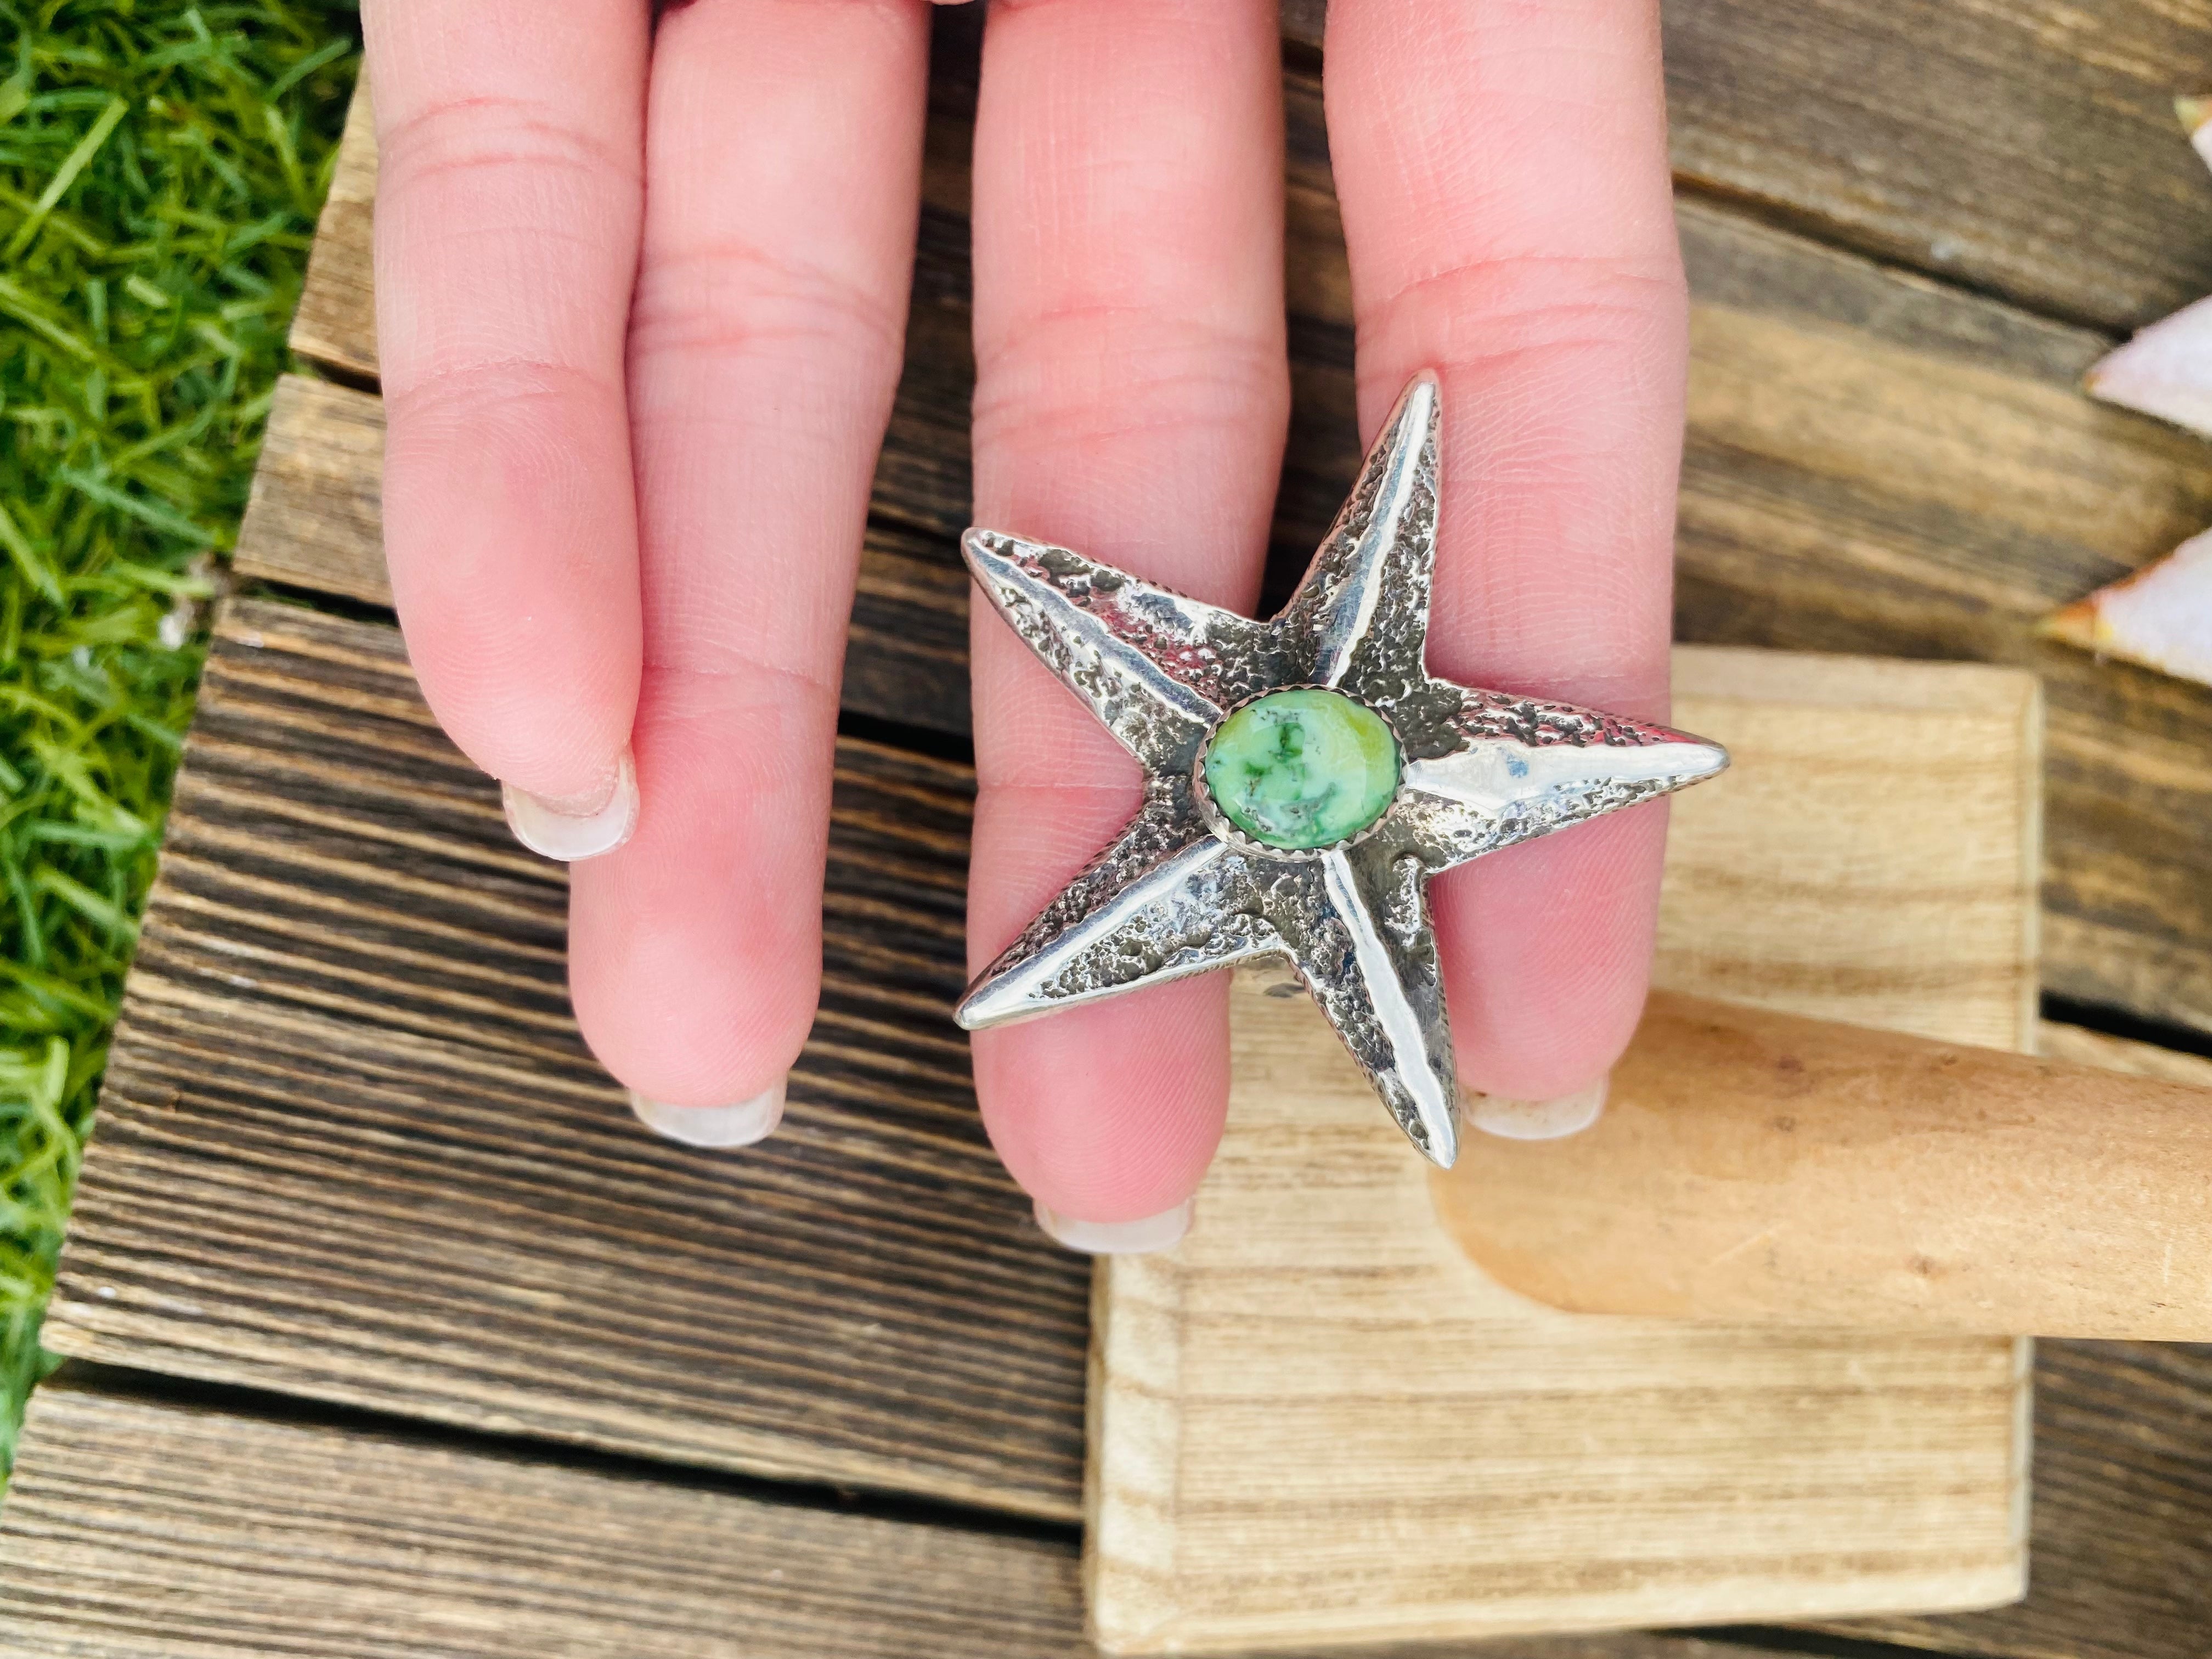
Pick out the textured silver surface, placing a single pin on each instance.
(1180, 891)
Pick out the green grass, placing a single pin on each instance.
(160, 168)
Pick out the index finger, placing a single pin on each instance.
(509, 192)
(1507, 206)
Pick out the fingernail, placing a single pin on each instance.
(713, 1126)
(1536, 1120)
(1140, 1237)
(576, 827)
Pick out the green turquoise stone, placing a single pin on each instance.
(1303, 769)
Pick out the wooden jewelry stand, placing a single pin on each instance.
(1317, 1422)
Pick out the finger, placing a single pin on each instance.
(785, 159)
(1132, 394)
(509, 197)
(1502, 172)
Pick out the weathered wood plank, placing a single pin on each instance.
(348, 966)
(2121, 1541)
(1874, 464)
(2029, 148)
(351, 1144)
(315, 518)
(139, 1529)
(144, 1529)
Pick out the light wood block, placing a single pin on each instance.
(1316, 1419)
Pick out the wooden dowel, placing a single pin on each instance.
(1758, 1168)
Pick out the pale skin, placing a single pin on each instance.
(640, 296)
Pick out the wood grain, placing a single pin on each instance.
(141, 1528)
(351, 1145)
(2123, 1516)
(1884, 467)
(1870, 854)
(2028, 147)
(310, 1174)
(1875, 464)
(1757, 1168)
(315, 518)
(1318, 1388)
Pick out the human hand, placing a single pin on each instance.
(1503, 173)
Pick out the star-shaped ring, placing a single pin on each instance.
(1304, 779)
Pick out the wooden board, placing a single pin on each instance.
(1318, 1388)
(2029, 148)
(144, 1528)
(336, 322)
(351, 1145)
(2063, 1042)
(149, 1528)
(1875, 464)
(1870, 855)
(1880, 467)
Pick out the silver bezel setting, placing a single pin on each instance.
(1225, 827)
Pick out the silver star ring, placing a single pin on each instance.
(1304, 779)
